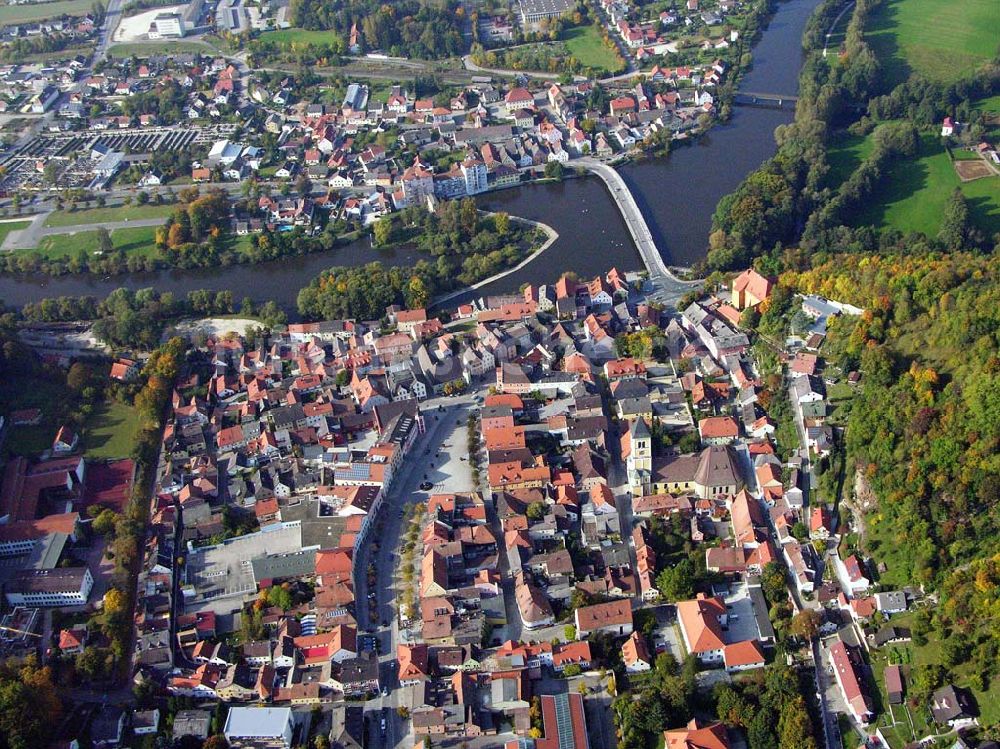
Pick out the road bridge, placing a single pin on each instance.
(668, 285)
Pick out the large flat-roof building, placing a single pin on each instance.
(70, 586)
(534, 12)
(259, 727)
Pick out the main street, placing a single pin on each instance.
(442, 427)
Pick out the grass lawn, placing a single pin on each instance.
(11, 14)
(913, 194)
(111, 432)
(989, 705)
(104, 215)
(301, 36)
(25, 392)
(839, 397)
(8, 227)
(845, 154)
(940, 41)
(142, 239)
(146, 49)
(960, 154)
(587, 46)
(991, 104)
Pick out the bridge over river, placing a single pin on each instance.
(669, 288)
(757, 99)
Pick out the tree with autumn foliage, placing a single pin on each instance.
(30, 708)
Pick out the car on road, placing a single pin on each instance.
(426, 486)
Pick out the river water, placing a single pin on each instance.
(677, 195)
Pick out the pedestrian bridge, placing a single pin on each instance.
(770, 101)
(659, 273)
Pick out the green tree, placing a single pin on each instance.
(955, 222)
(105, 522)
(280, 597)
(805, 624)
(501, 223)
(104, 243)
(760, 732)
(794, 726)
(773, 582)
(731, 707)
(382, 231)
(677, 583)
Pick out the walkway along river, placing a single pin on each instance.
(676, 195)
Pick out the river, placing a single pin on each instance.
(677, 194)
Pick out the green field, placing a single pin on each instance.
(105, 215)
(32, 392)
(992, 104)
(112, 431)
(913, 194)
(7, 227)
(300, 36)
(845, 155)
(145, 49)
(12, 14)
(938, 40)
(587, 46)
(141, 240)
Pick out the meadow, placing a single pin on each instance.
(939, 41)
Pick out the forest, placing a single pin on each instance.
(137, 319)
(925, 427)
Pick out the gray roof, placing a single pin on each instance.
(282, 566)
(257, 722)
(717, 467)
(192, 723)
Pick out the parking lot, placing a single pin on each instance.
(741, 624)
(447, 469)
